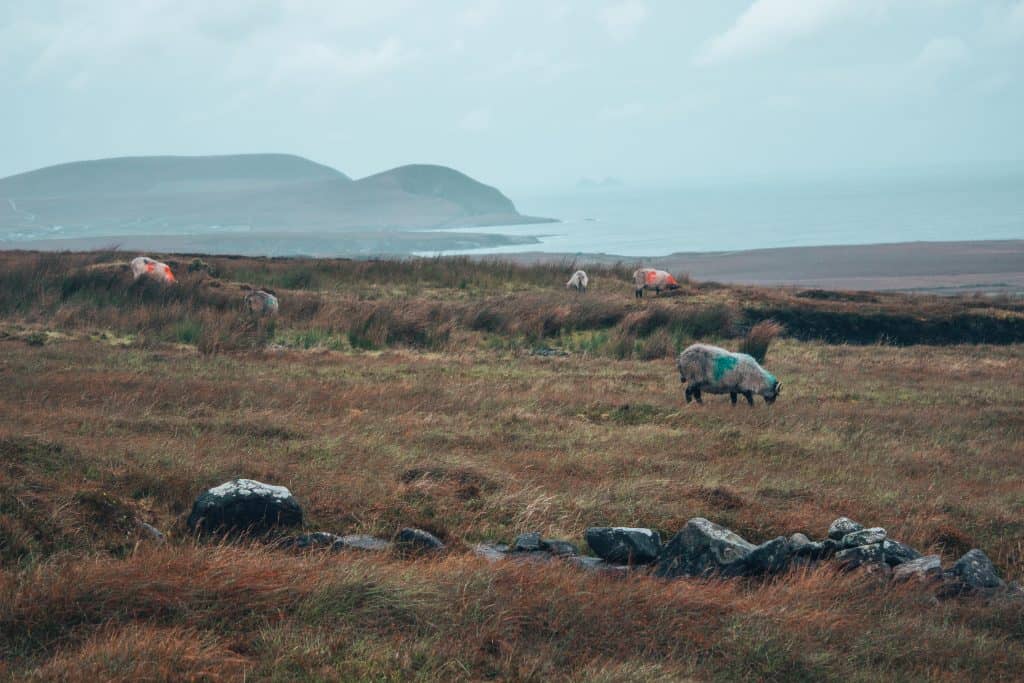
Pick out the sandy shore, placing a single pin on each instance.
(942, 267)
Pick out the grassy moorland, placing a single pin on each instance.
(408, 394)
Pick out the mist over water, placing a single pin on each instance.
(723, 216)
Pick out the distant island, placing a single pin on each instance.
(210, 202)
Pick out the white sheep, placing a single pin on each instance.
(143, 266)
(260, 302)
(652, 278)
(578, 281)
(718, 371)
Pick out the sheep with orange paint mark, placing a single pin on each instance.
(143, 266)
(652, 278)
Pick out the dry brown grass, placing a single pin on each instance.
(477, 441)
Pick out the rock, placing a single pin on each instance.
(897, 553)
(841, 527)
(854, 557)
(624, 545)
(863, 537)
(490, 551)
(974, 570)
(361, 542)
(597, 565)
(149, 531)
(527, 542)
(317, 539)
(798, 541)
(817, 550)
(922, 569)
(245, 505)
(702, 548)
(418, 540)
(560, 548)
(770, 557)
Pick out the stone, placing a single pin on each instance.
(841, 527)
(897, 553)
(974, 570)
(702, 548)
(624, 545)
(817, 550)
(149, 531)
(598, 566)
(770, 557)
(560, 548)
(922, 568)
(527, 542)
(317, 539)
(798, 541)
(245, 505)
(863, 537)
(492, 552)
(418, 540)
(859, 555)
(361, 542)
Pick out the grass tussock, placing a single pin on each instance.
(759, 338)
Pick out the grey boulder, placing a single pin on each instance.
(841, 527)
(863, 537)
(361, 542)
(974, 570)
(624, 545)
(702, 548)
(418, 540)
(245, 505)
(770, 557)
(922, 569)
(527, 542)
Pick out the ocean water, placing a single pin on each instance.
(939, 206)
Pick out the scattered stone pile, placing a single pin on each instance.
(700, 549)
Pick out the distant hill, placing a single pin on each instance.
(240, 193)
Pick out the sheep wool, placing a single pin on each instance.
(718, 371)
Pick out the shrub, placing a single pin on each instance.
(759, 338)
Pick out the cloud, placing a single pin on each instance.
(769, 24)
(622, 19)
(623, 112)
(476, 120)
(322, 62)
(479, 13)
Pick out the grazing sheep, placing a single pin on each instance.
(145, 266)
(578, 281)
(717, 371)
(652, 278)
(260, 302)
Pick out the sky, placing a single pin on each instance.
(524, 94)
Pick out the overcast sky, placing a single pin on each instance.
(523, 93)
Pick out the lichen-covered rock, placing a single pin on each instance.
(974, 570)
(859, 555)
(863, 537)
(702, 548)
(418, 540)
(897, 553)
(922, 568)
(841, 527)
(528, 542)
(317, 539)
(817, 550)
(770, 557)
(798, 541)
(361, 542)
(245, 505)
(624, 545)
(559, 548)
(491, 552)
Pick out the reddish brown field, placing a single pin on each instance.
(110, 412)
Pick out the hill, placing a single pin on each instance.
(147, 197)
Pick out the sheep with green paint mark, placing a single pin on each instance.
(718, 371)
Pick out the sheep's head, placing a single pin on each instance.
(770, 397)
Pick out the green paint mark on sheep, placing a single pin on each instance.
(723, 364)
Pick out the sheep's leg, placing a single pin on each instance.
(732, 397)
(696, 395)
(749, 395)
(689, 394)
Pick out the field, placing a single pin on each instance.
(435, 394)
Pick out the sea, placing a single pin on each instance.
(714, 216)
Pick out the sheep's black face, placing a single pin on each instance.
(770, 398)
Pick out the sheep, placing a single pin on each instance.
(578, 281)
(260, 302)
(652, 278)
(145, 266)
(717, 371)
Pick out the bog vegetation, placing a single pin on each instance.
(434, 393)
